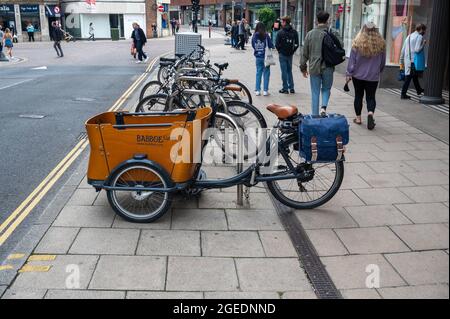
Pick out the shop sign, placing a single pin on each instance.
(6, 9)
(257, 6)
(29, 8)
(52, 11)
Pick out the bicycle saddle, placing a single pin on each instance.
(163, 63)
(283, 112)
(173, 60)
(221, 67)
(179, 55)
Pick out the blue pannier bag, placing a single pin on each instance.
(322, 139)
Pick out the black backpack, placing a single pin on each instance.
(289, 39)
(332, 52)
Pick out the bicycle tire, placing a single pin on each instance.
(147, 104)
(330, 193)
(155, 83)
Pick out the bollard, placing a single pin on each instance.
(3, 57)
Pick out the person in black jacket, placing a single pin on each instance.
(235, 34)
(139, 40)
(286, 44)
(57, 36)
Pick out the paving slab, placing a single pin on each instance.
(84, 294)
(425, 213)
(387, 180)
(129, 273)
(277, 244)
(85, 216)
(253, 220)
(421, 268)
(231, 244)
(353, 181)
(344, 198)
(67, 271)
(228, 200)
(428, 165)
(83, 197)
(424, 237)
(169, 243)
(2, 290)
(427, 178)
(201, 274)
(326, 242)
(57, 240)
(241, 295)
(105, 241)
(391, 167)
(395, 147)
(358, 169)
(426, 194)
(382, 196)
(371, 240)
(351, 272)
(377, 215)
(360, 294)
(325, 218)
(271, 274)
(394, 156)
(299, 295)
(429, 155)
(199, 219)
(164, 295)
(162, 223)
(24, 294)
(416, 292)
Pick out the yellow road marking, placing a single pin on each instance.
(15, 256)
(6, 267)
(24, 209)
(34, 268)
(42, 258)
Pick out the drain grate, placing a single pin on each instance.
(31, 116)
(315, 270)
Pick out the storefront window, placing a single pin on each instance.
(7, 17)
(30, 14)
(404, 15)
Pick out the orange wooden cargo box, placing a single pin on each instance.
(116, 137)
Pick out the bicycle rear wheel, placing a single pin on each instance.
(323, 182)
(151, 88)
(238, 92)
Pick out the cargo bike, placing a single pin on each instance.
(136, 159)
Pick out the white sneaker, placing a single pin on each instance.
(146, 59)
(266, 93)
(257, 93)
(138, 62)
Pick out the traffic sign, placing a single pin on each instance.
(161, 8)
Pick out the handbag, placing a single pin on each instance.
(419, 61)
(269, 60)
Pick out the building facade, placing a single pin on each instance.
(18, 14)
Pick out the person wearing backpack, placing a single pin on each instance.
(261, 42)
(323, 50)
(367, 61)
(286, 45)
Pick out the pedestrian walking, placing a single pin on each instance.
(7, 41)
(412, 60)
(139, 40)
(286, 44)
(91, 32)
(321, 74)
(173, 24)
(241, 35)
(248, 32)
(261, 42)
(177, 27)
(58, 36)
(367, 61)
(30, 31)
(234, 34)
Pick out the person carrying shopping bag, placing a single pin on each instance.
(262, 46)
(367, 61)
(412, 52)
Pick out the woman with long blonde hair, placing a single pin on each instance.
(8, 42)
(367, 61)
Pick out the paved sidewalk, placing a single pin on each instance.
(391, 215)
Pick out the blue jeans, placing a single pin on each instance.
(321, 83)
(261, 71)
(286, 72)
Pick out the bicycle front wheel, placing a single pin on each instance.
(152, 87)
(152, 103)
(323, 182)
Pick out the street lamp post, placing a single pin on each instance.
(232, 11)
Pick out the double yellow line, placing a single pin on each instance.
(25, 208)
